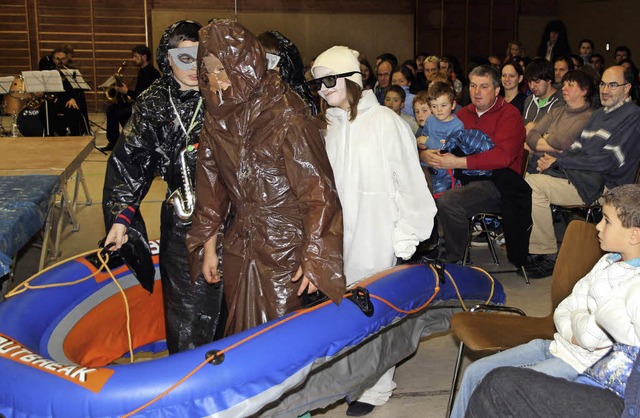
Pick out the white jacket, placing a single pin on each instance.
(386, 204)
(595, 313)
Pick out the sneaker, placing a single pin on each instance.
(539, 266)
(359, 409)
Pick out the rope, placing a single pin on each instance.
(455, 286)
(24, 286)
(270, 327)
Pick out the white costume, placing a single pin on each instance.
(386, 204)
(596, 304)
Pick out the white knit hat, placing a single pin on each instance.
(340, 59)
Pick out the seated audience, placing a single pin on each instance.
(368, 75)
(597, 60)
(394, 99)
(403, 77)
(512, 76)
(438, 127)
(559, 128)
(514, 49)
(586, 49)
(490, 114)
(622, 53)
(591, 318)
(383, 73)
(561, 66)
(604, 155)
(539, 75)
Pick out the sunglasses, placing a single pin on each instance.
(330, 81)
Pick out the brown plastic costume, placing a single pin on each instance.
(261, 151)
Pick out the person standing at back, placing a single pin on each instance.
(119, 113)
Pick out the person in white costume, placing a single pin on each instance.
(387, 206)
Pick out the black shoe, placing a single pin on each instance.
(359, 409)
(106, 148)
(539, 266)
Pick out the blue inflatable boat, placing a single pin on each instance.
(62, 341)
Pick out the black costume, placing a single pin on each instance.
(152, 141)
(119, 113)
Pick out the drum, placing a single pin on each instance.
(17, 98)
(31, 121)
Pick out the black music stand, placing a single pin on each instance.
(48, 81)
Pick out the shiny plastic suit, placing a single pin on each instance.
(262, 153)
(151, 143)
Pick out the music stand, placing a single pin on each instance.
(48, 81)
(74, 78)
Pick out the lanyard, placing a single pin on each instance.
(193, 119)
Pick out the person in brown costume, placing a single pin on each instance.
(262, 169)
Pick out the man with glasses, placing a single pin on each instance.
(383, 72)
(605, 155)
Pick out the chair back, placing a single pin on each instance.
(579, 252)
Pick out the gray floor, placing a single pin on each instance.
(423, 380)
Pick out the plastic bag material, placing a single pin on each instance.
(150, 144)
(262, 153)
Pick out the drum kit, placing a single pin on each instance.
(25, 108)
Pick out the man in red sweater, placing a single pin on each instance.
(502, 122)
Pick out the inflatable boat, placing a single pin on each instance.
(65, 332)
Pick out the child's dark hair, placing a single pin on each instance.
(438, 89)
(626, 201)
(185, 31)
(539, 69)
(354, 94)
(396, 89)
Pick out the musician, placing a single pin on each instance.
(65, 110)
(119, 113)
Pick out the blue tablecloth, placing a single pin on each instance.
(24, 202)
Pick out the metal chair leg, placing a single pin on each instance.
(524, 273)
(454, 380)
(492, 249)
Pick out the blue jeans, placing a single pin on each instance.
(533, 355)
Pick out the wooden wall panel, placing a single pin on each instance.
(102, 33)
(293, 6)
(14, 37)
(466, 29)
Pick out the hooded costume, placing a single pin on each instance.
(291, 69)
(262, 155)
(152, 141)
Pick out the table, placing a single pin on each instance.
(54, 156)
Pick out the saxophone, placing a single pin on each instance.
(183, 198)
(111, 94)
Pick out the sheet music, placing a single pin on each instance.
(110, 82)
(42, 81)
(75, 78)
(5, 84)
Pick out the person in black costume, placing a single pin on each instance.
(119, 113)
(283, 56)
(166, 119)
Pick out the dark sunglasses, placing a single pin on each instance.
(330, 81)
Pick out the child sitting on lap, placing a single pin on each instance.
(438, 127)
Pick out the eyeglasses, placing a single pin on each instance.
(612, 86)
(330, 81)
(383, 74)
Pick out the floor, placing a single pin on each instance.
(423, 380)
